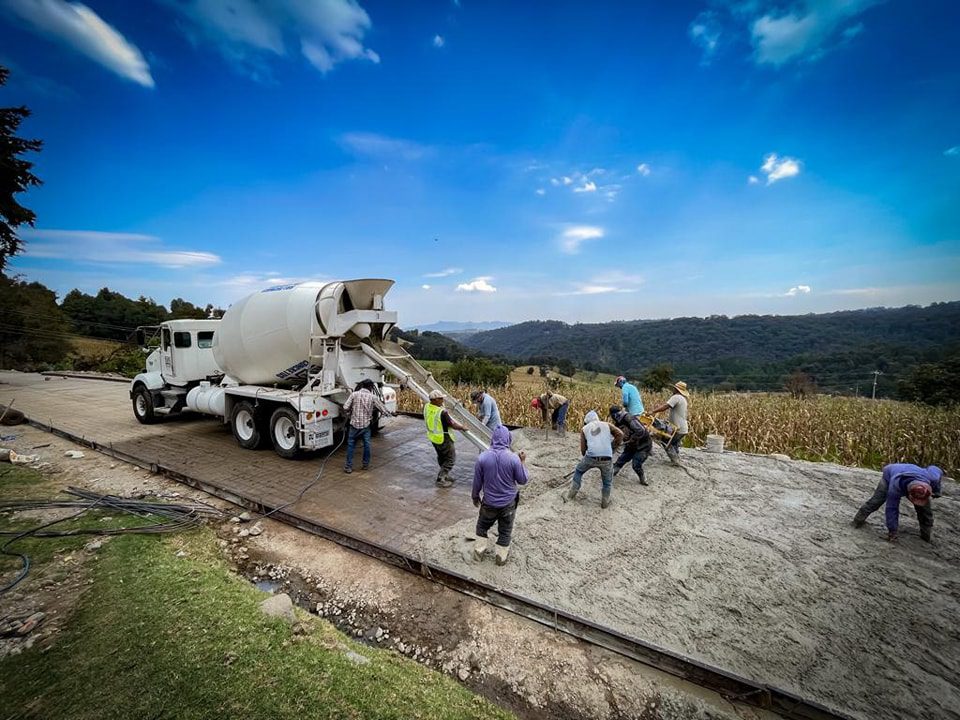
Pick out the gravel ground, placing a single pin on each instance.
(748, 563)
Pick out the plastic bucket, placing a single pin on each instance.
(714, 443)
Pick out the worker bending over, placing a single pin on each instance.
(488, 412)
(630, 396)
(597, 442)
(439, 427)
(677, 405)
(637, 443)
(361, 405)
(497, 477)
(898, 480)
(558, 406)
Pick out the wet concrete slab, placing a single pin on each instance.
(390, 504)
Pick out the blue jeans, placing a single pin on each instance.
(604, 465)
(363, 432)
(559, 417)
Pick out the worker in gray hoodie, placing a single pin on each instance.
(597, 442)
(497, 477)
(901, 480)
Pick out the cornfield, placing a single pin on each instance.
(849, 431)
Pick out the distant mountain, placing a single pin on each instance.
(461, 328)
(840, 349)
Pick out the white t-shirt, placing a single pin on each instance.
(678, 412)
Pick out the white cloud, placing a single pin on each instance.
(588, 186)
(705, 32)
(381, 146)
(425, 287)
(446, 272)
(953, 151)
(798, 290)
(566, 180)
(753, 180)
(438, 41)
(555, 182)
(108, 247)
(778, 168)
(803, 32)
(540, 191)
(643, 169)
(574, 236)
(82, 29)
(250, 281)
(480, 284)
(244, 31)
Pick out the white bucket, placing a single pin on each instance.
(714, 443)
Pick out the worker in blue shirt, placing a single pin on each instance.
(630, 396)
(903, 480)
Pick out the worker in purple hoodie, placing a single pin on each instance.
(898, 480)
(496, 480)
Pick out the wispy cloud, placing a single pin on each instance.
(250, 281)
(540, 191)
(446, 272)
(643, 169)
(574, 236)
(479, 284)
(798, 290)
(588, 186)
(952, 151)
(805, 30)
(383, 147)
(246, 32)
(753, 180)
(705, 31)
(438, 41)
(107, 247)
(779, 168)
(81, 29)
(425, 287)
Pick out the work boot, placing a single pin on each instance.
(642, 478)
(502, 551)
(605, 500)
(926, 534)
(479, 548)
(348, 469)
(673, 455)
(859, 519)
(572, 492)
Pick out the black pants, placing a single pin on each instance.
(446, 457)
(503, 516)
(636, 458)
(879, 498)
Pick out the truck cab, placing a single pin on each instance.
(182, 359)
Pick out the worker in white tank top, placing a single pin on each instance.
(597, 441)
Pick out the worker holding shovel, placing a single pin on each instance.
(558, 406)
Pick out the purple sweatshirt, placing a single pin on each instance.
(898, 476)
(498, 472)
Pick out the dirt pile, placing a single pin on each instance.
(748, 563)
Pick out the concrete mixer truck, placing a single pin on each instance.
(281, 362)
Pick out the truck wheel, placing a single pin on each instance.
(246, 426)
(284, 433)
(375, 422)
(143, 406)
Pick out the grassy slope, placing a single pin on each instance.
(161, 636)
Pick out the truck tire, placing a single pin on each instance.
(245, 424)
(284, 433)
(143, 405)
(375, 422)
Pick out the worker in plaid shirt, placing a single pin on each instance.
(360, 405)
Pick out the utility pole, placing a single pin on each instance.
(857, 390)
(876, 374)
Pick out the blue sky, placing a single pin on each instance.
(583, 161)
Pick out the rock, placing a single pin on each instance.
(245, 516)
(244, 533)
(280, 606)
(379, 633)
(256, 530)
(300, 629)
(93, 546)
(356, 658)
(780, 456)
(234, 519)
(181, 553)
(464, 674)
(474, 661)
(30, 623)
(73, 454)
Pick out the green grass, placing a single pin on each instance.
(152, 636)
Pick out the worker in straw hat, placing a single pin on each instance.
(439, 427)
(677, 405)
(918, 484)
